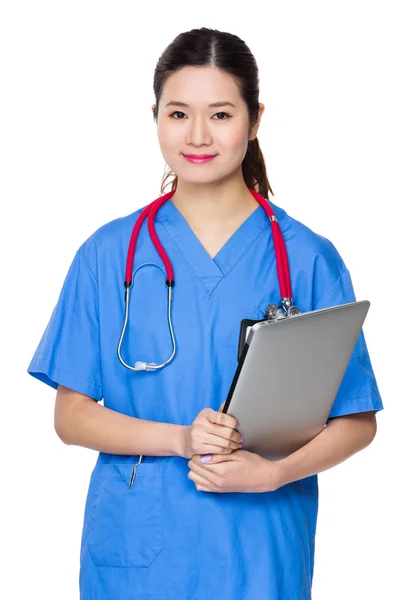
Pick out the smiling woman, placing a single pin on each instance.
(159, 527)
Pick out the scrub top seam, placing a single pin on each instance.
(56, 368)
(257, 235)
(88, 266)
(377, 406)
(187, 262)
(329, 288)
(97, 307)
(366, 396)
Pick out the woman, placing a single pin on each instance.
(172, 527)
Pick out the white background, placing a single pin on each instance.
(79, 148)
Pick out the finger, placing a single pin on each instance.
(233, 424)
(227, 441)
(201, 488)
(204, 476)
(220, 418)
(230, 433)
(196, 459)
(200, 483)
(214, 459)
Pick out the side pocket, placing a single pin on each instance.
(126, 529)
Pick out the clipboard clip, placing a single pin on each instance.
(273, 312)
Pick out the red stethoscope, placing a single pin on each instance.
(273, 311)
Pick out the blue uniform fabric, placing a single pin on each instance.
(163, 539)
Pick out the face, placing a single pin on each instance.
(198, 128)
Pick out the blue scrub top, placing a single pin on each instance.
(163, 539)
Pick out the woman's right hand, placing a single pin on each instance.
(212, 432)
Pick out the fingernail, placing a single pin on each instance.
(242, 439)
(238, 424)
(206, 458)
(240, 446)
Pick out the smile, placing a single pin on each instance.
(199, 160)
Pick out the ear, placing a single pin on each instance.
(254, 128)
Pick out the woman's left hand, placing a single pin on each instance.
(239, 471)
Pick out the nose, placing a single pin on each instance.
(198, 132)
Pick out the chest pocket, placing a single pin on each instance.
(126, 526)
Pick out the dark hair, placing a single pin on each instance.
(227, 52)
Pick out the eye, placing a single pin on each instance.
(182, 113)
(223, 113)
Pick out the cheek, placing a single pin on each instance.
(237, 139)
(235, 142)
(167, 138)
(169, 145)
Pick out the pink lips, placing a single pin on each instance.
(199, 158)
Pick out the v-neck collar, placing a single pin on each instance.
(211, 270)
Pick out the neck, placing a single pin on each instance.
(215, 205)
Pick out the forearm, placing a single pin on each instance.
(94, 426)
(340, 439)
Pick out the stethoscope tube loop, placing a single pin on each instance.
(140, 365)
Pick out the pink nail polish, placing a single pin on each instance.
(206, 458)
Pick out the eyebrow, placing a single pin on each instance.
(213, 105)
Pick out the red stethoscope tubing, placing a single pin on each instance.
(282, 262)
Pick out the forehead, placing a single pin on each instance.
(200, 86)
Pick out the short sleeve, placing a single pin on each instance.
(358, 391)
(69, 350)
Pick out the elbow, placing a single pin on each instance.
(370, 427)
(362, 426)
(374, 431)
(61, 432)
(66, 415)
(63, 424)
